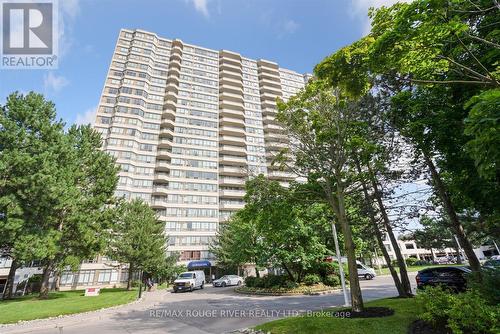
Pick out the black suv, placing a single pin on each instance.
(453, 278)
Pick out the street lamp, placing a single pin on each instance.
(341, 268)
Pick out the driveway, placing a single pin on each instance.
(211, 310)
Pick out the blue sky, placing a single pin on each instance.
(295, 33)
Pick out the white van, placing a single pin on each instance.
(365, 271)
(189, 280)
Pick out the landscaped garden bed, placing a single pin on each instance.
(282, 291)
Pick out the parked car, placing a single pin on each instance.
(492, 263)
(189, 280)
(495, 257)
(365, 271)
(228, 280)
(453, 278)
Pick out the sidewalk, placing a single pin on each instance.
(147, 301)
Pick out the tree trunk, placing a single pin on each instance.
(57, 281)
(452, 215)
(44, 289)
(378, 234)
(130, 274)
(405, 281)
(9, 286)
(289, 273)
(433, 255)
(457, 251)
(356, 297)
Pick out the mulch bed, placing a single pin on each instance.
(422, 327)
(370, 312)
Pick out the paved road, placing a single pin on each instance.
(212, 310)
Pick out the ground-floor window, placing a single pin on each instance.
(86, 277)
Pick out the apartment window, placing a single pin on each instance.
(67, 278)
(104, 276)
(409, 246)
(86, 277)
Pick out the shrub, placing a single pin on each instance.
(290, 285)
(469, 313)
(435, 302)
(311, 279)
(327, 268)
(252, 281)
(487, 286)
(411, 261)
(271, 281)
(331, 280)
(462, 313)
(421, 263)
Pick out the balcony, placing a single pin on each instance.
(168, 114)
(232, 171)
(266, 82)
(272, 128)
(228, 104)
(166, 134)
(170, 104)
(232, 140)
(231, 131)
(163, 154)
(230, 89)
(271, 89)
(159, 203)
(231, 97)
(232, 181)
(161, 177)
(232, 193)
(269, 104)
(270, 74)
(232, 113)
(278, 174)
(232, 149)
(162, 165)
(160, 190)
(225, 120)
(232, 206)
(230, 66)
(232, 160)
(167, 124)
(231, 80)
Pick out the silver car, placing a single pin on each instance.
(228, 280)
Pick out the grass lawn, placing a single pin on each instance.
(59, 303)
(405, 313)
(385, 271)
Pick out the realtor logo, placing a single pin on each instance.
(29, 34)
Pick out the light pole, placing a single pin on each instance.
(341, 268)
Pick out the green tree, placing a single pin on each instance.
(138, 239)
(61, 181)
(483, 126)
(433, 235)
(325, 131)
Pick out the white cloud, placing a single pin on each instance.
(70, 7)
(359, 9)
(290, 26)
(201, 6)
(88, 117)
(52, 82)
(68, 11)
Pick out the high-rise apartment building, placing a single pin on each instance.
(188, 125)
